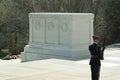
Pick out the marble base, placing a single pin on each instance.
(32, 53)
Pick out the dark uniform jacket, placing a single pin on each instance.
(96, 54)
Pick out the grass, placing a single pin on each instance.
(5, 50)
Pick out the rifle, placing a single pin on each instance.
(103, 48)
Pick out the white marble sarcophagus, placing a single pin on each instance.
(58, 35)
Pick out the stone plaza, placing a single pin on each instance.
(57, 69)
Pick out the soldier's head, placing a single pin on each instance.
(96, 39)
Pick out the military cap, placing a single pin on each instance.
(95, 37)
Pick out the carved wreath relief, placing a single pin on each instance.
(64, 27)
(49, 30)
(50, 25)
(38, 25)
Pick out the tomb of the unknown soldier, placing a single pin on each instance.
(58, 35)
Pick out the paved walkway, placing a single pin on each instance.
(56, 69)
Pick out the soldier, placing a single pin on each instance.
(96, 55)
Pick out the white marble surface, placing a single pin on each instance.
(60, 35)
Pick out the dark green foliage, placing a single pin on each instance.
(13, 26)
(113, 21)
(2, 55)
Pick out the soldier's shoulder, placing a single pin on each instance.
(91, 45)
